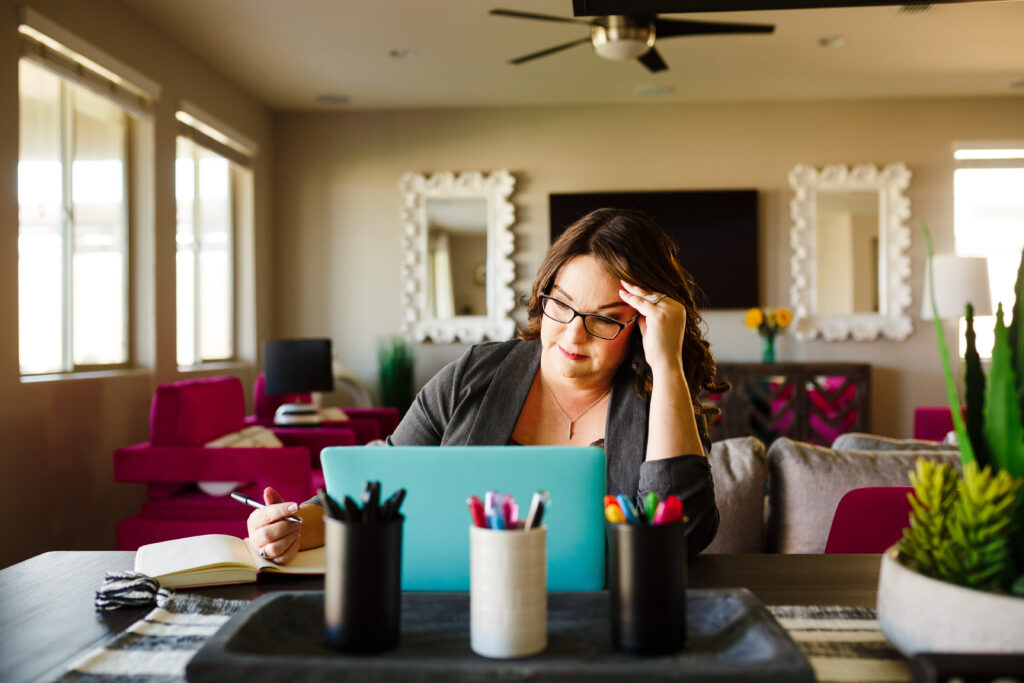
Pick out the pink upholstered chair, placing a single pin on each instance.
(932, 423)
(368, 423)
(184, 416)
(869, 520)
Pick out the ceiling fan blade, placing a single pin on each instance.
(653, 61)
(531, 15)
(597, 8)
(666, 28)
(550, 50)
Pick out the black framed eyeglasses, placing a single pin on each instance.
(599, 326)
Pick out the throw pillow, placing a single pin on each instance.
(251, 437)
(740, 472)
(858, 441)
(806, 483)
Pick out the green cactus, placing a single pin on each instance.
(961, 528)
(993, 435)
(934, 492)
(980, 524)
(395, 360)
(974, 383)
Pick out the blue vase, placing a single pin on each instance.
(767, 349)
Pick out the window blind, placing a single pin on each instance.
(218, 137)
(55, 48)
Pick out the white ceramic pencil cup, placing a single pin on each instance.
(508, 598)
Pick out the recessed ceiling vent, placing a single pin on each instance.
(915, 7)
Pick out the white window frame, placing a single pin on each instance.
(205, 131)
(984, 154)
(76, 62)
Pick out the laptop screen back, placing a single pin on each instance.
(439, 479)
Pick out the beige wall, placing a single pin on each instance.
(58, 436)
(337, 202)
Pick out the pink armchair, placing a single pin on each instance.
(184, 416)
(368, 423)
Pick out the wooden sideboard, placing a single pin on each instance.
(812, 402)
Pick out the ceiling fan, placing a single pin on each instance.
(590, 8)
(620, 37)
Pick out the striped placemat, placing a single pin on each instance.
(158, 646)
(842, 643)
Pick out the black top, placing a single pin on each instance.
(476, 401)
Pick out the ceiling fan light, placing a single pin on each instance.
(621, 39)
(621, 50)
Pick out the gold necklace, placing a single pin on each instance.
(572, 421)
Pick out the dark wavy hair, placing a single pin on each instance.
(636, 250)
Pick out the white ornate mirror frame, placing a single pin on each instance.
(419, 323)
(891, 319)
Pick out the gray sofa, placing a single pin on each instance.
(783, 501)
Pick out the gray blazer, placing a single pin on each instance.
(476, 401)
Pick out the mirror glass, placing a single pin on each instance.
(456, 257)
(850, 268)
(458, 247)
(847, 249)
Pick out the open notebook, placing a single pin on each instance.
(215, 559)
(438, 479)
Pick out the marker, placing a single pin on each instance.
(629, 510)
(246, 500)
(389, 510)
(613, 513)
(476, 511)
(650, 506)
(540, 501)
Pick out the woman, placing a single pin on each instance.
(612, 355)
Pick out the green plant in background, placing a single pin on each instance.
(395, 361)
(973, 533)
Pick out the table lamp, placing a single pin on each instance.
(958, 280)
(298, 366)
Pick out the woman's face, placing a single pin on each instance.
(568, 349)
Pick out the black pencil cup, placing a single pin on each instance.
(647, 587)
(363, 584)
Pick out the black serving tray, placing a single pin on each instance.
(280, 636)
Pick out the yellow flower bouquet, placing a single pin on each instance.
(768, 322)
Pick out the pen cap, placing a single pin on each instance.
(647, 587)
(363, 584)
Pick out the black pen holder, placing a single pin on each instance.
(363, 584)
(647, 587)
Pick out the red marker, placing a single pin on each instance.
(476, 510)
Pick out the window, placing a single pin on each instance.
(988, 219)
(212, 164)
(73, 227)
(205, 267)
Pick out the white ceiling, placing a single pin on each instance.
(287, 52)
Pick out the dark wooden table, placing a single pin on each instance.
(47, 617)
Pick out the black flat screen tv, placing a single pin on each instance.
(716, 232)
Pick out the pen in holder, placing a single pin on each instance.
(647, 587)
(362, 584)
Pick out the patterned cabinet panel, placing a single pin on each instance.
(812, 402)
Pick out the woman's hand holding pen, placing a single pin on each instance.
(277, 539)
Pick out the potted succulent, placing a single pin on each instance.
(955, 582)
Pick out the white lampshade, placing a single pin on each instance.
(959, 280)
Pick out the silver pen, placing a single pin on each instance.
(253, 503)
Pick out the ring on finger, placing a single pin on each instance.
(654, 298)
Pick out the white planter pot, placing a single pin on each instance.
(920, 614)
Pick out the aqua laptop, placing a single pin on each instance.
(438, 479)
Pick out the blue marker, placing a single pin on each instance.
(629, 510)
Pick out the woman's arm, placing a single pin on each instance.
(672, 425)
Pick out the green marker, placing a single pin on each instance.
(650, 505)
